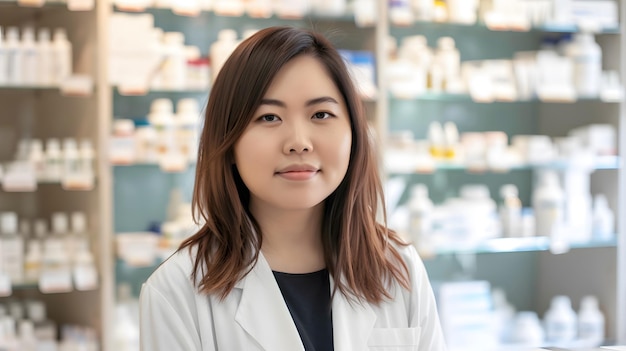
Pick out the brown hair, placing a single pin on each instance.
(356, 247)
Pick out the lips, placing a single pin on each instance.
(298, 168)
(298, 172)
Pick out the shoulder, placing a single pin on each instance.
(408, 253)
(414, 263)
(173, 276)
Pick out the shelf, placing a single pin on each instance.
(347, 17)
(504, 245)
(24, 286)
(602, 163)
(26, 87)
(46, 3)
(548, 28)
(449, 97)
(118, 92)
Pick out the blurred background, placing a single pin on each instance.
(499, 126)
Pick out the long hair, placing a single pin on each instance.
(358, 250)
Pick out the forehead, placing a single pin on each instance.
(304, 76)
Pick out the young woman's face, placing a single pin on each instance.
(296, 149)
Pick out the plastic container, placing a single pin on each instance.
(137, 248)
(13, 52)
(591, 321)
(62, 56)
(420, 216)
(45, 69)
(527, 330)
(510, 211)
(30, 57)
(548, 204)
(603, 219)
(560, 321)
(174, 71)
(587, 57)
(221, 50)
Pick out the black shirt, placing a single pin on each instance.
(308, 299)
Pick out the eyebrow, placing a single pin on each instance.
(311, 102)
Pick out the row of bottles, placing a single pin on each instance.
(30, 61)
(164, 137)
(575, 221)
(561, 325)
(583, 147)
(69, 163)
(564, 69)
(57, 261)
(518, 15)
(24, 326)
(254, 8)
(475, 316)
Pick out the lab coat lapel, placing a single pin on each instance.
(263, 313)
(352, 323)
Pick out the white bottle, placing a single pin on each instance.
(365, 12)
(62, 56)
(400, 12)
(420, 216)
(510, 211)
(221, 50)
(12, 247)
(527, 330)
(45, 329)
(37, 159)
(587, 57)
(4, 69)
(30, 57)
(259, 8)
(291, 9)
(27, 339)
(424, 10)
(55, 269)
(70, 160)
(84, 272)
(54, 161)
(329, 7)
(174, 72)
(162, 118)
(449, 58)
(46, 68)
(32, 261)
(8, 337)
(560, 321)
(590, 322)
(86, 156)
(188, 118)
(504, 314)
(233, 8)
(13, 50)
(548, 204)
(603, 219)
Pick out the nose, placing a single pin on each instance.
(298, 138)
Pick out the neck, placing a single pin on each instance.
(292, 241)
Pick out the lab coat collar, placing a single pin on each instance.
(263, 313)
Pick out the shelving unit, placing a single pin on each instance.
(44, 112)
(523, 267)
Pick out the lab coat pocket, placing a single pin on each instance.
(393, 339)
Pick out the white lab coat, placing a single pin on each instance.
(254, 316)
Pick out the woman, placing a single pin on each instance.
(290, 256)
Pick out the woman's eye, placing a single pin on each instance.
(269, 118)
(321, 115)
